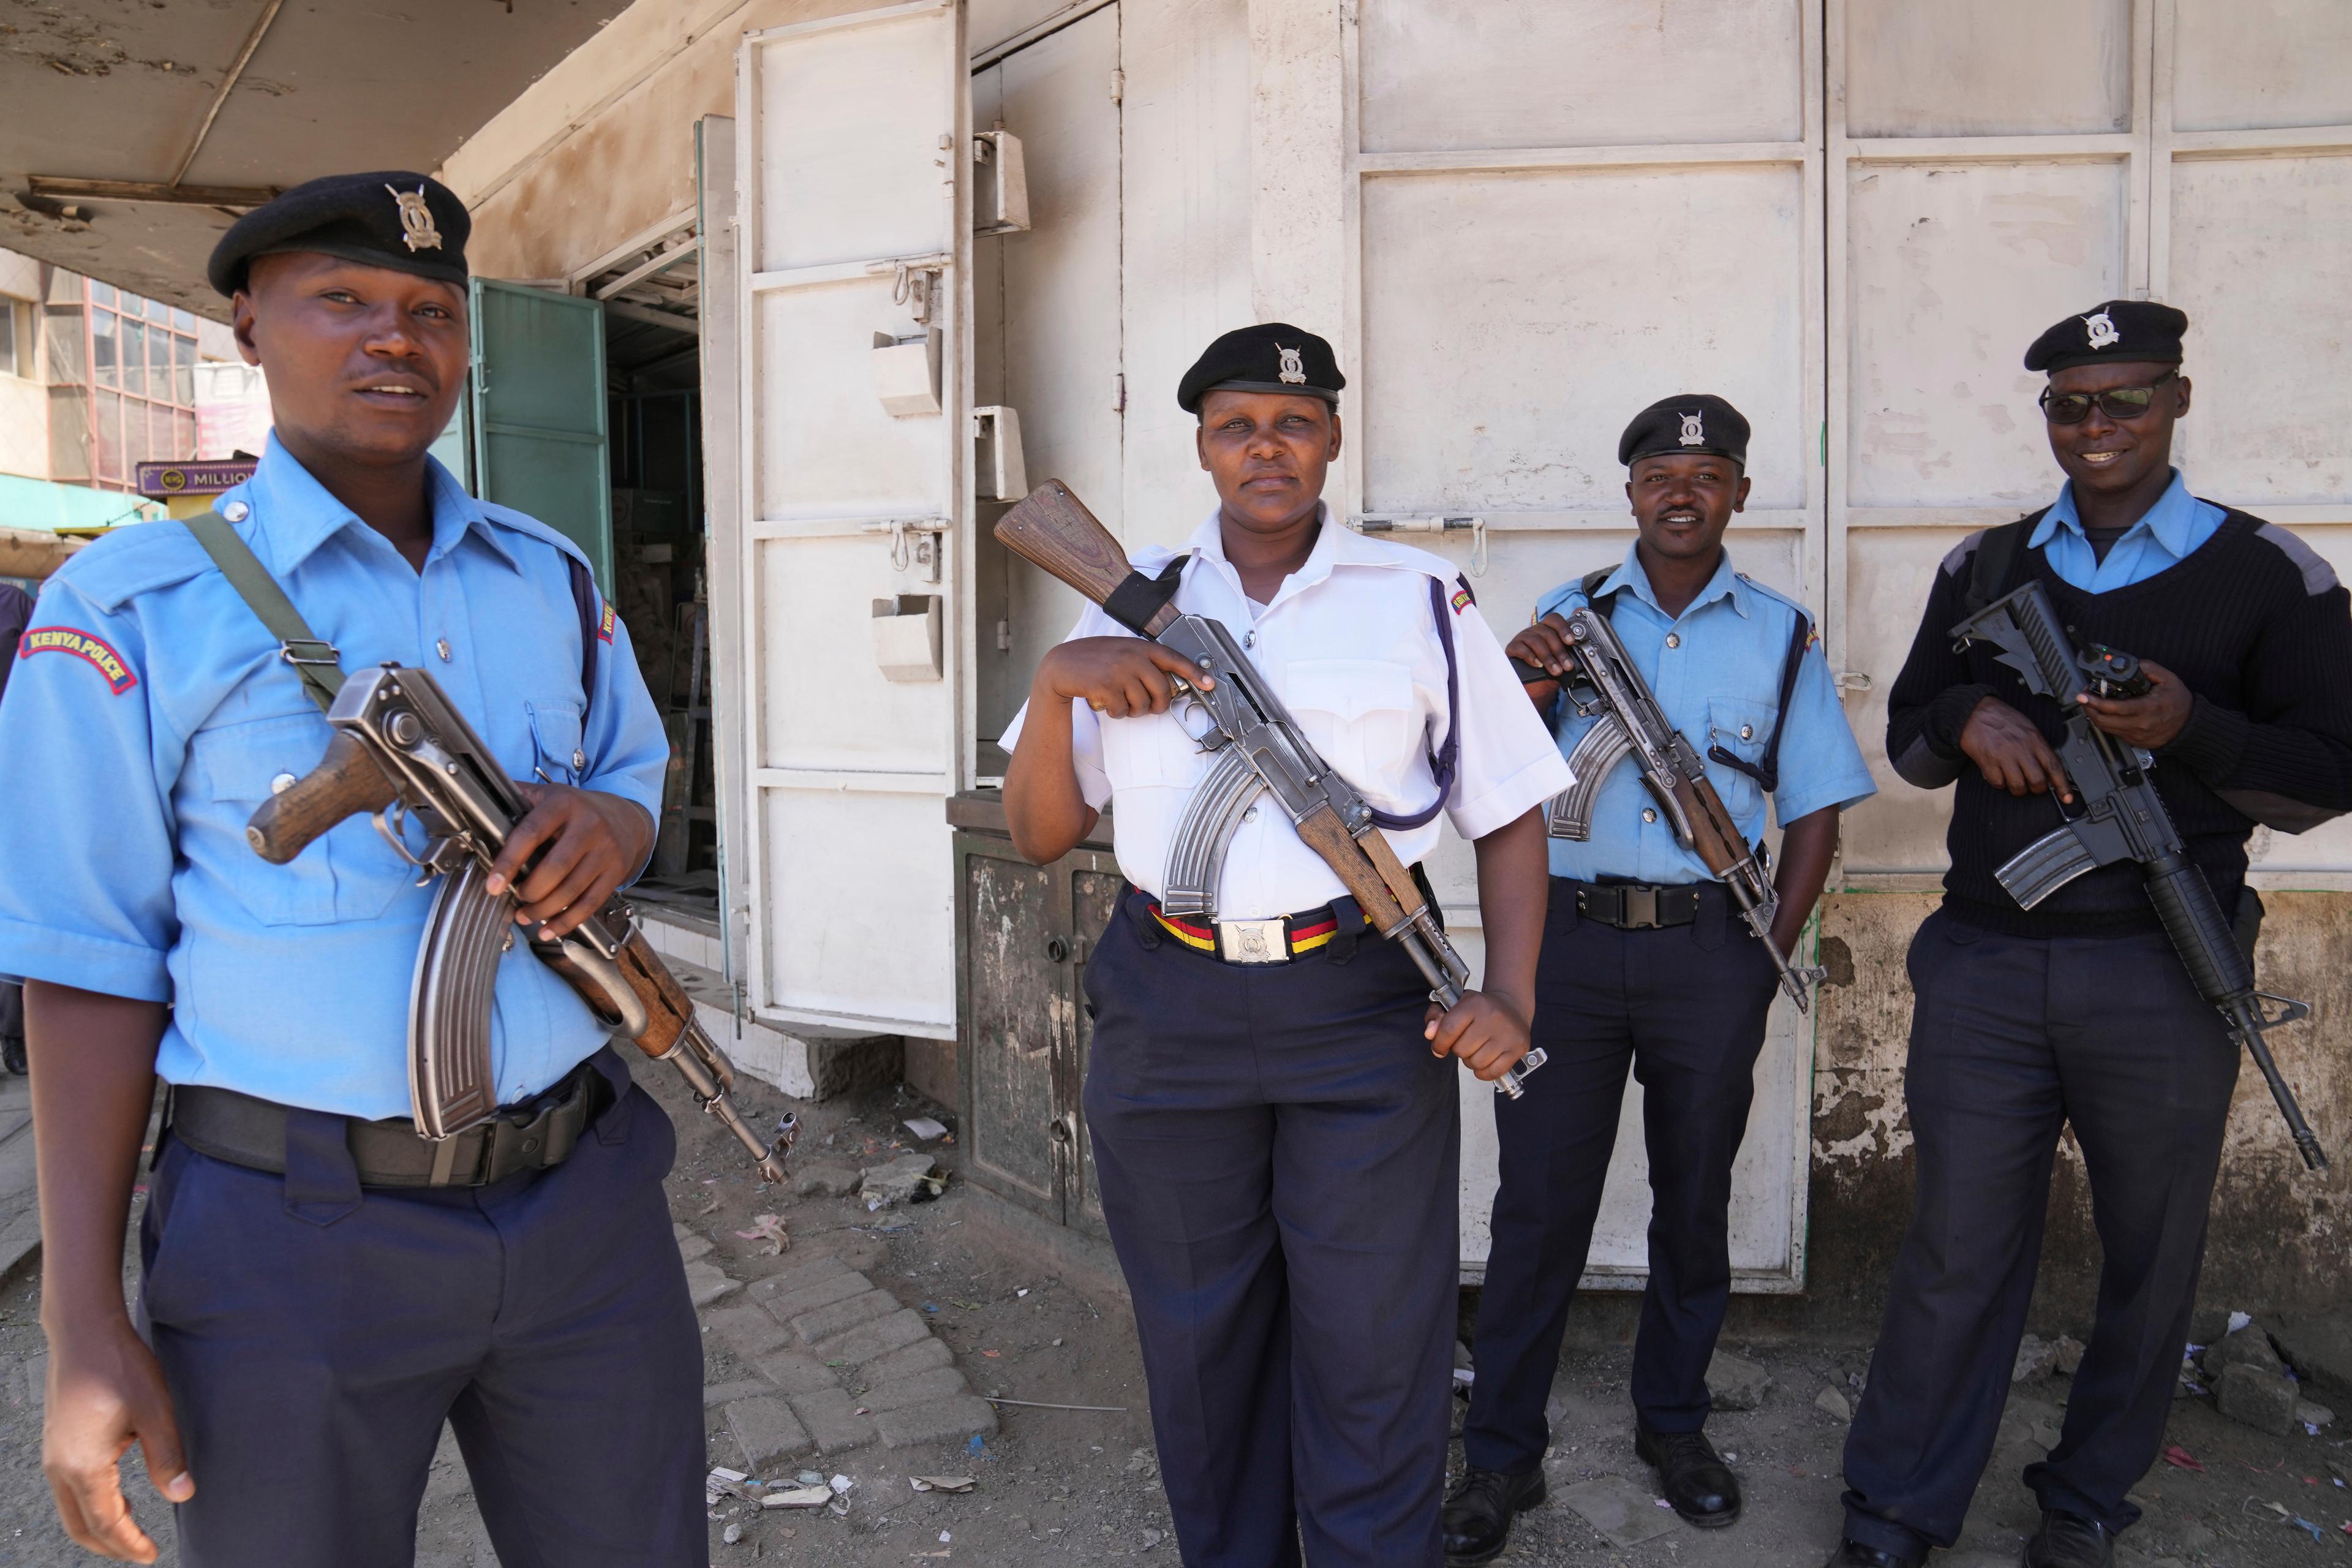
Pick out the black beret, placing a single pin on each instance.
(1693, 422)
(390, 218)
(1273, 357)
(2121, 331)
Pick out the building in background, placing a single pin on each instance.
(46, 394)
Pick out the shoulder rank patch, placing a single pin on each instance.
(1463, 597)
(605, 625)
(97, 651)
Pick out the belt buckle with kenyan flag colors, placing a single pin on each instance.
(97, 651)
(1275, 941)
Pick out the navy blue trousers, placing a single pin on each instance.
(2013, 1039)
(1684, 1009)
(316, 1336)
(1278, 1155)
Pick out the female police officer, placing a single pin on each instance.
(1277, 1137)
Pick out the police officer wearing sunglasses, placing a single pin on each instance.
(2078, 1012)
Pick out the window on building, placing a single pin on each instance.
(143, 362)
(15, 337)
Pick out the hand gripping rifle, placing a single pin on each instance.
(402, 746)
(1606, 683)
(1258, 746)
(2123, 818)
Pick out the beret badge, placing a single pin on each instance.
(415, 219)
(2102, 329)
(1294, 372)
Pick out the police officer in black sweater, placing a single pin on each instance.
(2079, 1012)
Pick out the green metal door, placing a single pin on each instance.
(538, 413)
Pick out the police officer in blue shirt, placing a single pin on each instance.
(312, 1307)
(1646, 965)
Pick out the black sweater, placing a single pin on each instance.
(2256, 625)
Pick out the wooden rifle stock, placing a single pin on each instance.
(346, 783)
(1050, 529)
(1715, 839)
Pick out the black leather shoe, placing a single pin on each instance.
(1698, 1483)
(2069, 1540)
(1854, 1555)
(1479, 1513)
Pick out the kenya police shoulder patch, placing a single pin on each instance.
(605, 625)
(97, 651)
(1463, 597)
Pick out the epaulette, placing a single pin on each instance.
(2318, 577)
(522, 522)
(1778, 597)
(136, 559)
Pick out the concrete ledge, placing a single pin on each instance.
(807, 1063)
(1087, 1266)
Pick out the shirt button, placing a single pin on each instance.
(1649, 814)
(282, 783)
(1674, 639)
(579, 762)
(1249, 639)
(1250, 815)
(1748, 731)
(236, 511)
(442, 647)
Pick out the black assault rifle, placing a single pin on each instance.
(2123, 818)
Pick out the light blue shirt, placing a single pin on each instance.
(138, 738)
(2177, 524)
(1720, 684)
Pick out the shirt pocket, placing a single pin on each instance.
(1148, 751)
(1359, 714)
(348, 873)
(555, 731)
(1743, 729)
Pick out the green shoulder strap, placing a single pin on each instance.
(314, 660)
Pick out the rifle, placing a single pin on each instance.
(402, 747)
(2123, 818)
(1606, 683)
(1259, 749)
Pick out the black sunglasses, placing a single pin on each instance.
(2116, 402)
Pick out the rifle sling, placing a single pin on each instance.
(316, 661)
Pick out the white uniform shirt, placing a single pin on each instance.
(1351, 648)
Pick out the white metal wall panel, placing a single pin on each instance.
(1536, 258)
(1047, 310)
(1184, 240)
(1537, 73)
(1988, 67)
(853, 141)
(2251, 191)
(2251, 65)
(1987, 174)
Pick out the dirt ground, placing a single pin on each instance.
(1083, 1486)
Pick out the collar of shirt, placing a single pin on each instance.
(297, 514)
(1725, 583)
(1334, 546)
(2170, 531)
(2171, 521)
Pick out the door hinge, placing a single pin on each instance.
(1004, 636)
(1118, 391)
(1117, 85)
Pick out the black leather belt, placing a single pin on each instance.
(251, 1132)
(1638, 906)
